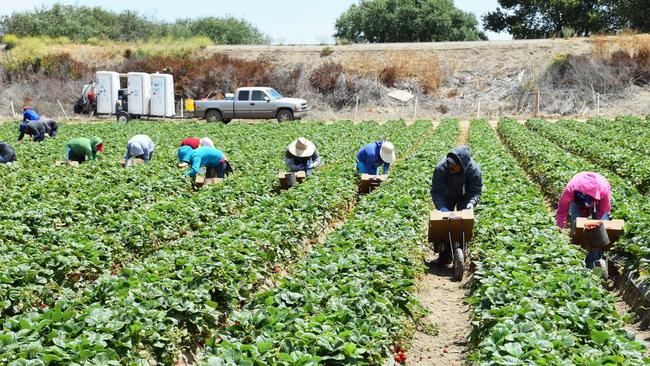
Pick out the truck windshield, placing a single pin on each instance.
(274, 94)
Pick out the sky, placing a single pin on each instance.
(285, 21)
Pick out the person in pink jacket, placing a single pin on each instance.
(588, 194)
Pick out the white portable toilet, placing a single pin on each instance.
(139, 86)
(108, 84)
(162, 95)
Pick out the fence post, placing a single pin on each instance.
(63, 110)
(478, 110)
(537, 103)
(598, 104)
(13, 111)
(356, 108)
(415, 110)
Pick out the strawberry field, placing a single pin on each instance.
(102, 265)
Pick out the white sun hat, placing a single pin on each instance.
(387, 152)
(302, 148)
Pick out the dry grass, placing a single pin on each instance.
(404, 66)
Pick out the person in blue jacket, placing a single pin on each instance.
(29, 114)
(211, 158)
(374, 156)
(457, 182)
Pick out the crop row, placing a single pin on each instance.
(46, 240)
(626, 162)
(349, 300)
(157, 308)
(553, 167)
(534, 302)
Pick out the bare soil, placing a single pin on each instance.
(449, 315)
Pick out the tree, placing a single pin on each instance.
(526, 19)
(379, 21)
(80, 23)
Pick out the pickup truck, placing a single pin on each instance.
(251, 103)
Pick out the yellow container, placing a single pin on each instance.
(189, 105)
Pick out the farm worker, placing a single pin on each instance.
(184, 153)
(7, 153)
(375, 155)
(35, 129)
(81, 148)
(29, 114)
(587, 194)
(140, 147)
(211, 158)
(206, 142)
(302, 155)
(192, 142)
(51, 126)
(457, 182)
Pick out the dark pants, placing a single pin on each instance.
(72, 156)
(218, 171)
(595, 255)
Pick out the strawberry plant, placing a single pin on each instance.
(534, 302)
(553, 167)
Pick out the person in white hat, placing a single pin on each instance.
(375, 155)
(206, 142)
(302, 155)
(141, 147)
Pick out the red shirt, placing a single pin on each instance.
(192, 142)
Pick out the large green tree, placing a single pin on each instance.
(79, 23)
(526, 19)
(379, 21)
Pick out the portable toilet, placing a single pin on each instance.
(162, 95)
(108, 85)
(139, 86)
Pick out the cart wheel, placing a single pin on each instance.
(459, 264)
(444, 257)
(123, 117)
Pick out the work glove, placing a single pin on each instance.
(444, 209)
(470, 206)
(605, 216)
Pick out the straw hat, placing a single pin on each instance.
(302, 148)
(387, 152)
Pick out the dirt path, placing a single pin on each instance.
(443, 339)
(642, 335)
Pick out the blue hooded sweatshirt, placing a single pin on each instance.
(204, 156)
(30, 115)
(369, 160)
(184, 153)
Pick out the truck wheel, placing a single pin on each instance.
(227, 120)
(123, 117)
(213, 116)
(285, 115)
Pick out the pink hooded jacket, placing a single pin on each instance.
(589, 183)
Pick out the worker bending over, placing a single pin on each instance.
(587, 194)
(457, 182)
(209, 157)
(374, 156)
(302, 155)
(140, 147)
(7, 153)
(82, 148)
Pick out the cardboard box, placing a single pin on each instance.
(282, 176)
(66, 162)
(201, 181)
(369, 182)
(614, 231)
(455, 222)
(133, 162)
